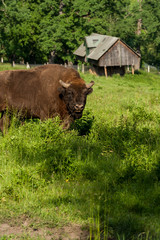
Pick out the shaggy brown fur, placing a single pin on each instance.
(39, 93)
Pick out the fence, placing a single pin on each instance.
(83, 68)
(150, 68)
(79, 67)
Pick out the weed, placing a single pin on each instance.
(84, 124)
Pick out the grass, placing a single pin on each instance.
(8, 66)
(103, 173)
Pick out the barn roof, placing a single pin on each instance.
(81, 51)
(98, 45)
(102, 47)
(93, 40)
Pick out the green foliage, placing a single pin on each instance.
(45, 150)
(84, 124)
(151, 27)
(104, 172)
(39, 30)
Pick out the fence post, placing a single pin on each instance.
(148, 68)
(105, 71)
(82, 68)
(27, 66)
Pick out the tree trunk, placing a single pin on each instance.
(61, 7)
(139, 25)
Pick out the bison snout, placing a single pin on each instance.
(78, 107)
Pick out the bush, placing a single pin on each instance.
(84, 124)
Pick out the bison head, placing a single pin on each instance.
(74, 95)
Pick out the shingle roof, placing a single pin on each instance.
(81, 51)
(105, 44)
(98, 45)
(93, 40)
(101, 43)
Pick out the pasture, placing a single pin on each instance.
(102, 176)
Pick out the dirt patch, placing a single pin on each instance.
(69, 232)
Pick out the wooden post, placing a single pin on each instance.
(148, 68)
(13, 64)
(82, 68)
(133, 69)
(105, 71)
(27, 66)
(1, 59)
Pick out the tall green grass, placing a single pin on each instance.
(103, 173)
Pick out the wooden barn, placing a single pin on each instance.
(107, 55)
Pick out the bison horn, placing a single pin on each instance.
(90, 84)
(65, 85)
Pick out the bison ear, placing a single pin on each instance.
(90, 84)
(62, 88)
(89, 89)
(61, 91)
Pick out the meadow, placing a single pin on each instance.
(103, 174)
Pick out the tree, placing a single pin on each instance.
(61, 34)
(36, 29)
(20, 27)
(151, 31)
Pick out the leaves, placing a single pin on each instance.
(32, 29)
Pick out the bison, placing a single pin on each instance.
(43, 92)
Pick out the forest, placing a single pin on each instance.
(35, 31)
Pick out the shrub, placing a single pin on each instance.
(84, 124)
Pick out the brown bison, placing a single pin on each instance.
(43, 92)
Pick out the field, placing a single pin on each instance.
(98, 180)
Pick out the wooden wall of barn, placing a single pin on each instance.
(120, 55)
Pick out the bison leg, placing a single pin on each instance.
(1, 121)
(1, 124)
(4, 122)
(67, 122)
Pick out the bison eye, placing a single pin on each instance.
(70, 93)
